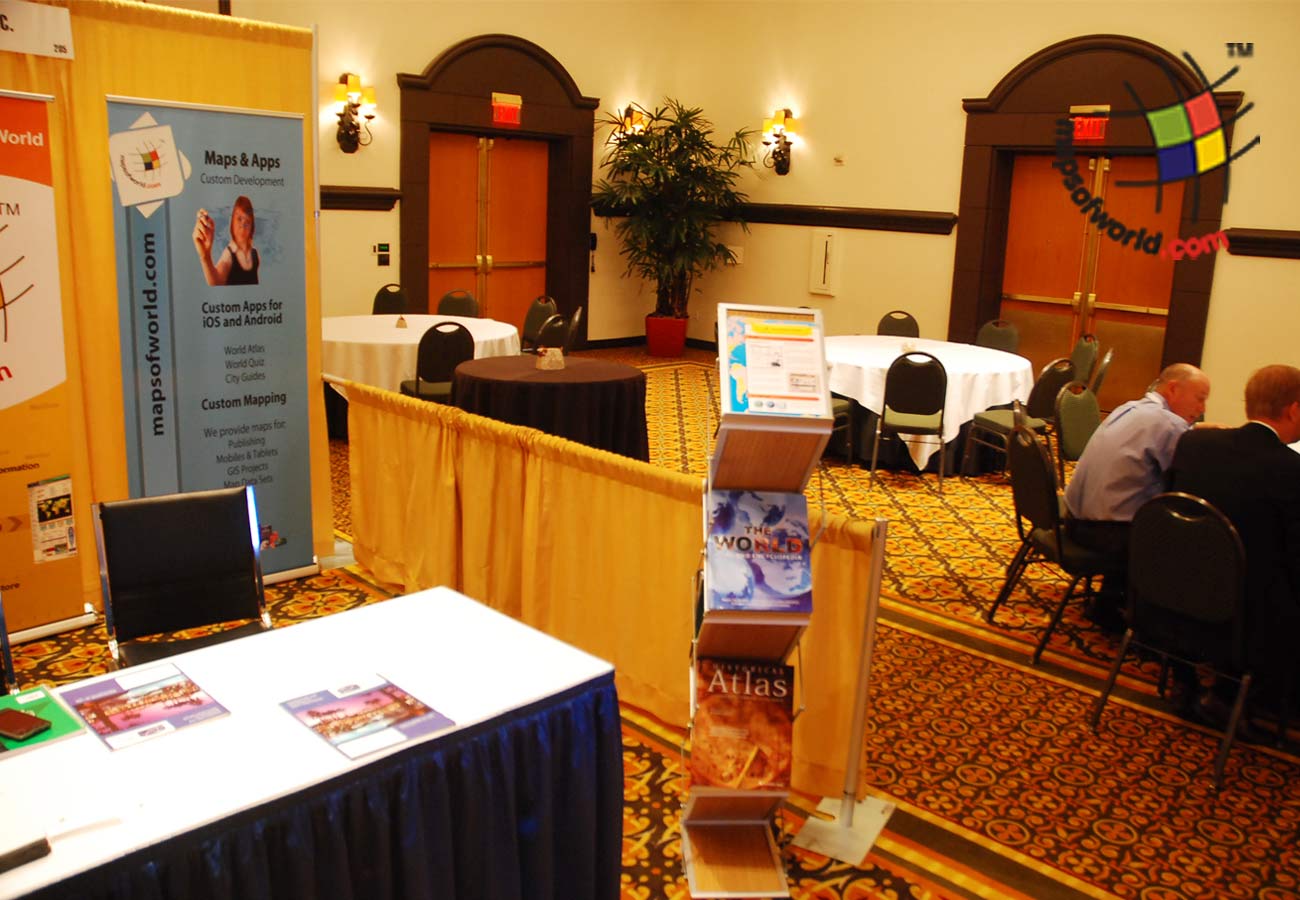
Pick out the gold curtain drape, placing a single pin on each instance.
(594, 549)
(151, 52)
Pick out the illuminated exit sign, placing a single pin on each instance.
(1090, 121)
(1090, 128)
(506, 108)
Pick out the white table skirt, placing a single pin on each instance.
(978, 377)
(465, 660)
(373, 350)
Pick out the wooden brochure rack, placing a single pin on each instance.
(755, 596)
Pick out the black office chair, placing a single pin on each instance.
(389, 300)
(992, 428)
(571, 335)
(999, 334)
(898, 323)
(1084, 356)
(539, 311)
(442, 348)
(1077, 417)
(176, 562)
(1186, 598)
(458, 303)
(916, 387)
(553, 333)
(8, 677)
(1102, 367)
(1033, 489)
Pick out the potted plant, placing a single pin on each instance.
(671, 184)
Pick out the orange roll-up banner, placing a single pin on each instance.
(40, 577)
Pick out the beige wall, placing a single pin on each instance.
(879, 84)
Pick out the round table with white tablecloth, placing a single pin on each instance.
(978, 378)
(373, 350)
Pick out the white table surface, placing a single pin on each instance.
(373, 350)
(455, 654)
(978, 377)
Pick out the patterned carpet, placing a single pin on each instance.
(1002, 790)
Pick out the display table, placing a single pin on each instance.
(597, 403)
(521, 798)
(978, 378)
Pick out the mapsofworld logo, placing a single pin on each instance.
(1190, 144)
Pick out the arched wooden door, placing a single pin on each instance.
(554, 135)
(1021, 115)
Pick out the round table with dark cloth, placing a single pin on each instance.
(597, 403)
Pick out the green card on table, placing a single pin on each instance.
(39, 702)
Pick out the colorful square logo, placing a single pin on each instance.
(1204, 115)
(1176, 163)
(1211, 151)
(1169, 125)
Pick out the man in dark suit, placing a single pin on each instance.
(1253, 477)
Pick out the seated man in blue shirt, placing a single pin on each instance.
(1124, 466)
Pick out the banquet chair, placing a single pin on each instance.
(458, 303)
(1045, 538)
(8, 677)
(916, 387)
(898, 323)
(1077, 417)
(1100, 375)
(553, 333)
(1084, 356)
(999, 334)
(175, 562)
(389, 300)
(539, 311)
(1189, 605)
(571, 333)
(844, 417)
(442, 348)
(992, 428)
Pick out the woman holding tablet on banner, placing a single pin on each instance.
(239, 261)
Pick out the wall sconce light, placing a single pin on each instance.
(778, 133)
(353, 99)
(631, 120)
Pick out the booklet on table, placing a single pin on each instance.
(141, 704)
(366, 715)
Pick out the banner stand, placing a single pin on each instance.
(291, 574)
(212, 303)
(87, 619)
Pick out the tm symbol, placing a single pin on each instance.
(1235, 49)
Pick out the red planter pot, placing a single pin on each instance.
(665, 335)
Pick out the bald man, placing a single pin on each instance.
(1124, 465)
(1253, 478)
(1125, 461)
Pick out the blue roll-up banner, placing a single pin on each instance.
(211, 292)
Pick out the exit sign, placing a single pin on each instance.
(1090, 128)
(506, 108)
